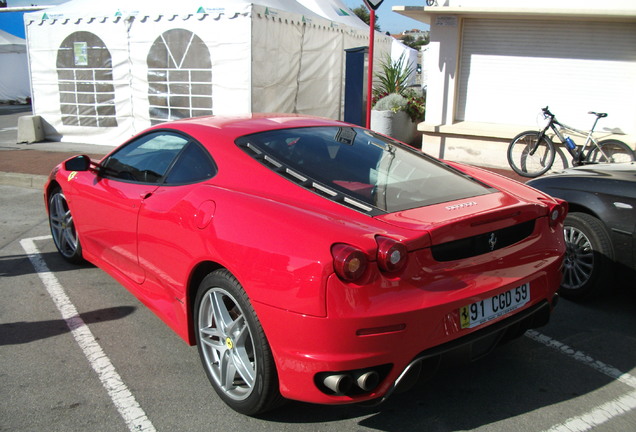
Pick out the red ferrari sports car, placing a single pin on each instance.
(311, 259)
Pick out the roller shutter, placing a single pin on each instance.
(509, 69)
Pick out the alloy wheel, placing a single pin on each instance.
(579, 259)
(62, 226)
(227, 344)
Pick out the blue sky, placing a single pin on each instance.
(391, 21)
(388, 20)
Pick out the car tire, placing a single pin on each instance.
(62, 227)
(233, 348)
(587, 269)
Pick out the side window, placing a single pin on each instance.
(146, 159)
(194, 164)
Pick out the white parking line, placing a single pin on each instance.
(581, 357)
(604, 412)
(599, 415)
(124, 401)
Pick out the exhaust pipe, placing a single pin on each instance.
(367, 381)
(340, 384)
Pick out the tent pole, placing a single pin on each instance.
(370, 68)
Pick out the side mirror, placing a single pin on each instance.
(78, 163)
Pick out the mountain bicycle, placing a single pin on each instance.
(532, 153)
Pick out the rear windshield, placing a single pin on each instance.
(362, 166)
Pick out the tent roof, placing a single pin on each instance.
(11, 44)
(333, 10)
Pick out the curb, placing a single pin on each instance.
(30, 181)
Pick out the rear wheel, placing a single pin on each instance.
(530, 156)
(587, 269)
(63, 227)
(232, 345)
(611, 151)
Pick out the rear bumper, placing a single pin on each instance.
(393, 326)
(308, 350)
(472, 347)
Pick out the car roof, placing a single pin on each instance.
(235, 126)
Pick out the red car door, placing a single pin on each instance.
(107, 212)
(107, 205)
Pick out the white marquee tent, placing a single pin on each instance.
(14, 69)
(102, 71)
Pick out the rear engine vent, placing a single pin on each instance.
(483, 243)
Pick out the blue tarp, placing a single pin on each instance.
(13, 23)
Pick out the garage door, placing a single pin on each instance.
(509, 69)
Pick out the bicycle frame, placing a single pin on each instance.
(558, 128)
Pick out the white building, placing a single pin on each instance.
(492, 64)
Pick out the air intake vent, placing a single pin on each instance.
(483, 243)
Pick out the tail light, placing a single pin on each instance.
(392, 255)
(349, 262)
(557, 212)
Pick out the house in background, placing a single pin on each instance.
(492, 65)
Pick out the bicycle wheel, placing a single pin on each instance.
(530, 157)
(612, 151)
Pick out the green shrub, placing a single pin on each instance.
(413, 104)
(391, 102)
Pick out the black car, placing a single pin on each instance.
(600, 229)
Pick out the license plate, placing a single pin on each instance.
(486, 310)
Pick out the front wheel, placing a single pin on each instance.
(232, 345)
(530, 156)
(611, 151)
(62, 227)
(587, 269)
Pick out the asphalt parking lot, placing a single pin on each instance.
(78, 352)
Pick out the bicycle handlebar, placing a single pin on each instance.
(546, 112)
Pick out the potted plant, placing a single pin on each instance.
(396, 108)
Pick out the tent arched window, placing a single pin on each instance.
(179, 77)
(85, 78)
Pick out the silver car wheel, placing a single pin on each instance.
(579, 259)
(227, 344)
(62, 226)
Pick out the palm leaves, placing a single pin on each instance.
(394, 76)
